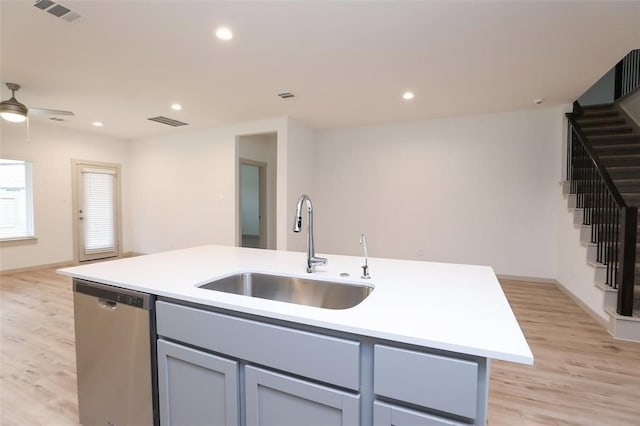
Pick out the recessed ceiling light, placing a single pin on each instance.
(224, 33)
(97, 124)
(176, 107)
(407, 96)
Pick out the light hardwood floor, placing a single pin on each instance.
(581, 375)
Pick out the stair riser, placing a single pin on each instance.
(624, 173)
(625, 329)
(632, 200)
(612, 140)
(599, 122)
(628, 187)
(620, 160)
(610, 300)
(600, 276)
(610, 130)
(617, 149)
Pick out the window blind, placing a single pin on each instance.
(99, 224)
(16, 199)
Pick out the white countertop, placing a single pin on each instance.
(458, 308)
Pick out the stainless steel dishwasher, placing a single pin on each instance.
(115, 349)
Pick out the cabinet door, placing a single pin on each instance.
(274, 399)
(196, 388)
(391, 415)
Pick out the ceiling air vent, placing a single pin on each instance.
(57, 10)
(168, 121)
(285, 95)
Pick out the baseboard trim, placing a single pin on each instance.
(131, 254)
(64, 264)
(526, 279)
(37, 267)
(603, 322)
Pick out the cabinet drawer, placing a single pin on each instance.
(433, 381)
(323, 358)
(392, 415)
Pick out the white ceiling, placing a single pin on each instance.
(347, 62)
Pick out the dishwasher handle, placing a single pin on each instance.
(107, 304)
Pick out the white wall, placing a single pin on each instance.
(474, 189)
(51, 148)
(184, 186)
(301, 172)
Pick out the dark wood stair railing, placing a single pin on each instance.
(613, 222)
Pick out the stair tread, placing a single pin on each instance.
(622, 136)
(622, 128)
(608, 155)
(603, 105)
(626, 167)
(601, 114)
(595, 121)
(614, 146)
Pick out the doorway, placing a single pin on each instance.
(253, 204)
(256, 190)
(96, 210)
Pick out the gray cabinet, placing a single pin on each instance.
(274, 399)
(436, 382)
(270, 373)
(196, 388)
(392, 415)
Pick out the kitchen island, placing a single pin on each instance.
(416, 350)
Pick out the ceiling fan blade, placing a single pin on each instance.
(44, 111)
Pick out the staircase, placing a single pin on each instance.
(614, 140)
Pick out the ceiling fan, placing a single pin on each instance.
(16, 112)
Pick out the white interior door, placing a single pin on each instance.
(97, 211)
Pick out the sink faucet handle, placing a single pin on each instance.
(365, 272)
(365, 267)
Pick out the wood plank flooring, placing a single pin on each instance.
(37, 350)
(581, 375)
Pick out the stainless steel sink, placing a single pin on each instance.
(302, 291)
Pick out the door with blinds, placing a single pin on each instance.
(97, 210)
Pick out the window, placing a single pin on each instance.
(16, 200)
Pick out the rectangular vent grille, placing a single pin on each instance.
(167, 121)
(43, 4)
(57, 10)
(285, 95)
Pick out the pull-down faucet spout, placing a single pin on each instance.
(312, 260)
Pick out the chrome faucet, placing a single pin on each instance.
(312, 260)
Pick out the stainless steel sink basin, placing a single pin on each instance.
(302, 291)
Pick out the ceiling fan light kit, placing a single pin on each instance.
(16, 112)
(11, 109)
